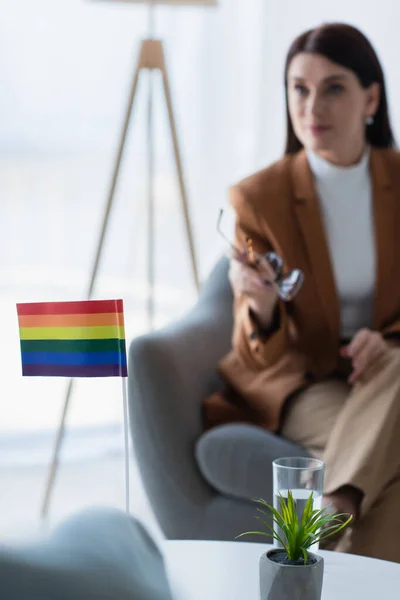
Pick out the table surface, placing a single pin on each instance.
(203, 570)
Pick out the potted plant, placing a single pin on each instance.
(292, 572)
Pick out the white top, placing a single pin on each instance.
(345, 195)
(201, 570)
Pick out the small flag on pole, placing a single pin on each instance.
(73, 339)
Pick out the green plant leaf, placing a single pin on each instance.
(310, 538)
(274, 533)
(284, 509)
(297, 535)
(262, 533)
(252, 533)
(276, 516)
(308, 509)
(335, 529)
(320, 514)
(333, 521)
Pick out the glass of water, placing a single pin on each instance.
(301, 476)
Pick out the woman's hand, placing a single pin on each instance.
(250, 282)
(365, 349)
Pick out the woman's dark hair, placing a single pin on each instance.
(348, 47)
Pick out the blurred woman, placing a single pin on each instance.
(324, 369)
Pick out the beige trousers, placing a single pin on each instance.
(356, 432)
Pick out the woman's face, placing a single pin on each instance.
(328, 107)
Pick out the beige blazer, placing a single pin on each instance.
(279, 209)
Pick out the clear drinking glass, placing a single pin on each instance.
(301, 476)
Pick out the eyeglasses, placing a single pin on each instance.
(287, 285)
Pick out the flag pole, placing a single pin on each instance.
(61, 427)
(126, 441)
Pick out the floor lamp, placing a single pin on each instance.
(151, 58)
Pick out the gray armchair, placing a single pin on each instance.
(170, 372)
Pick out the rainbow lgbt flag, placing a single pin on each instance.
(73, 339)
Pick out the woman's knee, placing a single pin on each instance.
(236, 460)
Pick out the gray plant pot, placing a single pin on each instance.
(289, 582)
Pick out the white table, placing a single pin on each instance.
(200, 570)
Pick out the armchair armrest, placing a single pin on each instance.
(170, 372)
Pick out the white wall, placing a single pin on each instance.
(285, 19)
(65, 68)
